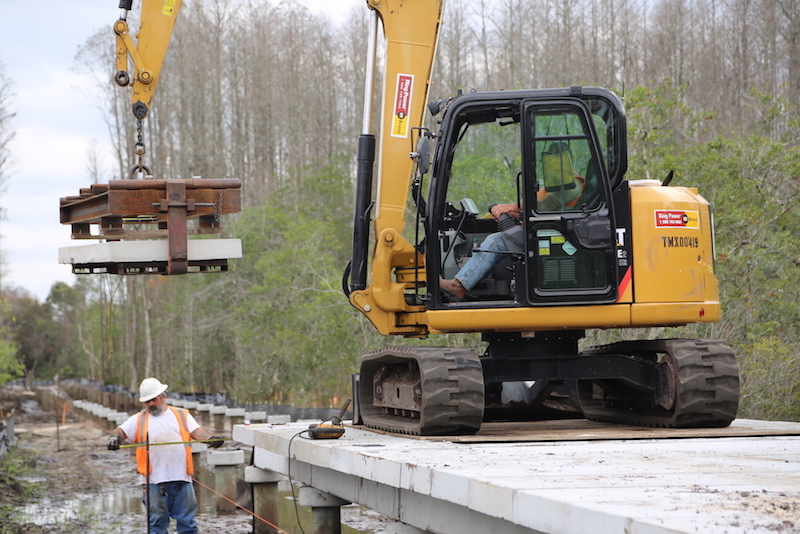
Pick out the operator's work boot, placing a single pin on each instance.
(453, 289)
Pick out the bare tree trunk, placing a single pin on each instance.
(148, 339)
(189, 342)
(791, 32)
(94, 362)
(132, 329)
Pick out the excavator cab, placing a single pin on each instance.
(560, 155)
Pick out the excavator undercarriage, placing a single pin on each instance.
(439, 391)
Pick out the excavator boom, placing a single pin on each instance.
(157, 20)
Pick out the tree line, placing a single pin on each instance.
(272, 94)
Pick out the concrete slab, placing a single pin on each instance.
(255, 417)
(734, 483)
(256, 475)
(155, 250)
(310, 496)
(222, 458)
(279, 419)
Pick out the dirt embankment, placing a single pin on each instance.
(52, 464)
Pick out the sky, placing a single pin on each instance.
(56, 123)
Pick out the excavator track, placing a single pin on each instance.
(422, 390)
(697, 385)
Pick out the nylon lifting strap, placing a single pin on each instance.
(142, 452)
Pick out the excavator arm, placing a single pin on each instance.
(155, 29)
(411, 31)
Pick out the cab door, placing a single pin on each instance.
(569, 222)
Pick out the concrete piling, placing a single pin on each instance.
(265, 497)
(192, 407)
(233, 416)
(218, 418)
(225, 463)
(203, 414)
(325, 508)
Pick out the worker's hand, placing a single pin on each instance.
(215, 442)
(497, 210)
(113, 443)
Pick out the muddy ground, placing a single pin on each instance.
(62, 479)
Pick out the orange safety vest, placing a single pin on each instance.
(141, 452)
(572, 203)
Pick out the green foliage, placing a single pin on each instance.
(294, 330)
(10, 366)
(661, 126)
(766, 360)
(33, 331)
(17, 463)
(486, 166)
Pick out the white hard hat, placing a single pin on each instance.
(151, 388)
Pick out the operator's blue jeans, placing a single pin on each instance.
(481, 263)
(176, 499)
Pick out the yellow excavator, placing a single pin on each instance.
(584, 247)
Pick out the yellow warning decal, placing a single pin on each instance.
(402, 105)
(169, 7)
(544, 247)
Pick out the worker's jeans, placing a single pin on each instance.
(481, 263)
(175, 499)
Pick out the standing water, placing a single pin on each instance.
(120, 510)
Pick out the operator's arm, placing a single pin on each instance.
(512, 209)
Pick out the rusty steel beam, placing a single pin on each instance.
(147, 209)
(177, 205)
(135, 198)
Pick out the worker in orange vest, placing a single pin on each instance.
(170, 466)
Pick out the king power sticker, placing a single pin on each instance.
(402, 105)
(677, 219)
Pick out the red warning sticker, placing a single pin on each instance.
(677, 219)
(402, 105)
